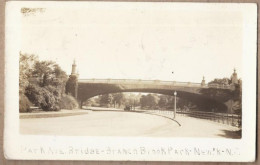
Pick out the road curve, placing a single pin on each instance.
(120, 123)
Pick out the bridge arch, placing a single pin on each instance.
(89, 90)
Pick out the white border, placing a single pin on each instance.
(17, 146)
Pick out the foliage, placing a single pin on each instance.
(95, 102)
(24, 103)
(237, 98)
(26, 63)
(42, 82)
(222, 81)
(164, 100)
(106, 100)
(118, 98)
(68, 102)
(149, 101)
(71, 85)
(132, 99)
(49, 73)
(221, 95)
(42, 97)
(167, 102)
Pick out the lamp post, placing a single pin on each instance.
(175, 94)
(134, 104)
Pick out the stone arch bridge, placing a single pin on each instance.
(83, 89)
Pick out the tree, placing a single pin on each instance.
(223, 81)
(42, 82)
(163, 102)
(149, 101)
(43, 97)
(60, 78)
(237, 98)
(71, 85)
(118, 98)
(106, 99)
(49, 73)
(26, 63)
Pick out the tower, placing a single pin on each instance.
(73, 70)
(234, 79)
(203, 82)
(72, 83)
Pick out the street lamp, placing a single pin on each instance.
(134, 104)
(175, 94)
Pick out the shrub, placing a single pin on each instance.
(68, 102)
(43, 98)
(34, 94)
(24, 103)
(51, 101)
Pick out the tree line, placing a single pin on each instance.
(143, 101)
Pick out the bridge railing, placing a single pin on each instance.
(224, 118)
(154, 82)
(137, 81)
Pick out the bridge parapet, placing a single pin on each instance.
(153, 82)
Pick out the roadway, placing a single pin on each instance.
(121, 123)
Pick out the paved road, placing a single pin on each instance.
(120, 123)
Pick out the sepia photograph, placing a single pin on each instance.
(134, 70)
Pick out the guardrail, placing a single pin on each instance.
(224, 118)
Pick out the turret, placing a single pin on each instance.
(234, 79)
(73, 70)
(203, 82)
(72, 83)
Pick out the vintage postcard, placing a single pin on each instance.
(130, 81)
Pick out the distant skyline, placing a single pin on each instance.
(138, 42)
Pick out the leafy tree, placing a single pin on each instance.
(106, 99)
(42, 97)
(118, 98)
(71, 85)
(132, 99)
(149, 101)
(223, 81)
(26, 63)
(42, 82)
(49, 73)
(163, 102)
(237, 98)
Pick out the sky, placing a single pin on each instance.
(138, 41)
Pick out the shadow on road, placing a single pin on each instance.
(231, 134)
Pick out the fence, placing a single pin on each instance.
(224, 118)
